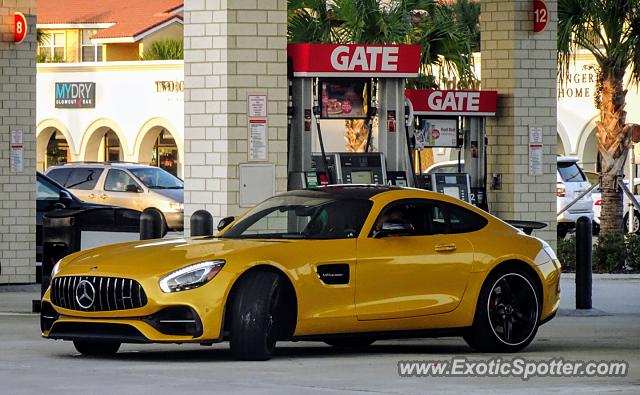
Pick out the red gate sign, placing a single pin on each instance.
(354, 60)
(540, 16)
(19, 27)
(439, 102)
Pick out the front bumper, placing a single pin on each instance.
(192, 316)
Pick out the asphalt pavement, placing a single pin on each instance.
(611, 331)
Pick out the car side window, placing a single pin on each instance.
(84, 178)
(118, 180)
(430, 217)
(415, 213)
(46, 191)
(461, 220)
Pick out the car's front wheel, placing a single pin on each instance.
(507, 313)
(96, 348)
(255, 316)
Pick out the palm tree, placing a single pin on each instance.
(425, 22)
(165, 49)
(610, 31)
(467, 14)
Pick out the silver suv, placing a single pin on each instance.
(138, 187)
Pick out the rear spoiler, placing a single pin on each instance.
(527, 226)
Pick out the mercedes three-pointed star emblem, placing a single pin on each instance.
(85, 294)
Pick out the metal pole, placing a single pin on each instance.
(583, 263)
(631, 186)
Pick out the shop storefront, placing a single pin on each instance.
(117, 111)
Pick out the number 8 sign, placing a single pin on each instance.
(540, 16)
(19, 27)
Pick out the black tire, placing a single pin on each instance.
(96, 349)
(255, 316)
(353, 343)
(507, 313)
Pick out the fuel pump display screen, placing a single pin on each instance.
(344, 98)
(456, 185)
(361, 177)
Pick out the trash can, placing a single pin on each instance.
(65, 231)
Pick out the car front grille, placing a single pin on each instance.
(89, 293)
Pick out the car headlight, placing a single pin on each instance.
(55, 269)
(176, 206)
(190, 277)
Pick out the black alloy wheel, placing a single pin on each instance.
(507, 313)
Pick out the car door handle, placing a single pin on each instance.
(445, 247)
(91, 195)
(103, 196)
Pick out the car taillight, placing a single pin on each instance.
(560, 191)
(598, 203)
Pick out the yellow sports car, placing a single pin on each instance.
(347, 265)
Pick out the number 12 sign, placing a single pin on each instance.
(19, 27)
(540, 16)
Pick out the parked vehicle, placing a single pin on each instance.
(571, 182)
(134, 186)
(346, 265)
(50, 196)
(597, 206)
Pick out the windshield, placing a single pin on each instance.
(156, 178)
(302, 217)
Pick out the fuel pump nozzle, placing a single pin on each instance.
(316, 115)
(410, 144)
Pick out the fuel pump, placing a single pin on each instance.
(455, 120)
(345, 83)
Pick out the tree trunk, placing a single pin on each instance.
(613, 138)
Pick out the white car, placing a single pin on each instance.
(571, 182)
(597, 205)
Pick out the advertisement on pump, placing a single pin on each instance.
(437, 133)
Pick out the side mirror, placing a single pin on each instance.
(394, 229)
(65, 198)
(224, 222)
(132, 188)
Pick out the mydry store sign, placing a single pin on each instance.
(75, 95)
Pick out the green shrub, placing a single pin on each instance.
(567, 253)
(609, 253)
(632, 243)
(167, 49)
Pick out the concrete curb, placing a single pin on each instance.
(607, 276)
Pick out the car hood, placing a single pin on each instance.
(158, 257)
(176, 195)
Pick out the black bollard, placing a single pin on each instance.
(583, 263)
(151, 225)
(201, 223)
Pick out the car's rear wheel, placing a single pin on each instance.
(256, 316)
(507, 313)
(350, 342)
(96, 348)
(636, 223)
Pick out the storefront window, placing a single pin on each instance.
(57, 150)
(112, 148)
(90, 51)
(165, 153)
(53, 46)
